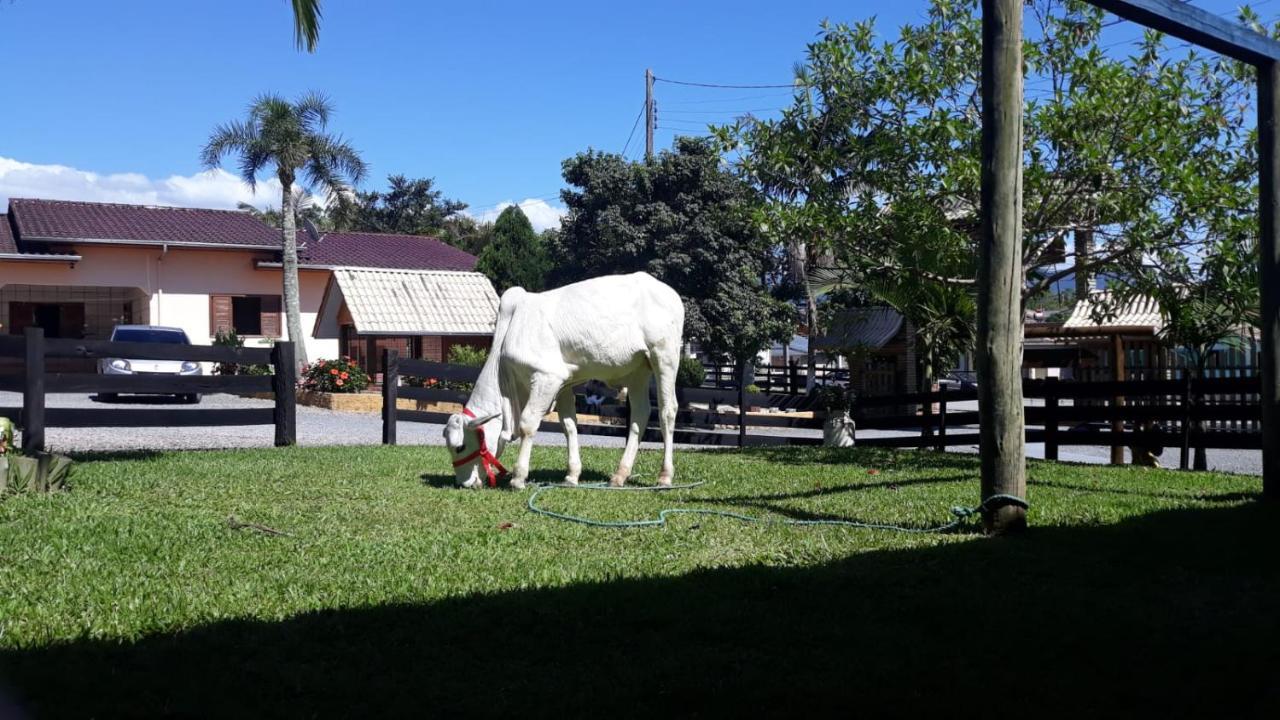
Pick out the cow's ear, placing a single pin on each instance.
(478, 421)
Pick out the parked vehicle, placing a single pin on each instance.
(149, 334)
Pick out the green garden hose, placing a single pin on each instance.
(961, 513)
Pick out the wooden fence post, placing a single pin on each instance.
(1002, 428)
(942, 418)
(742, 402)
(1051, 418)
(390, 381)
(284, 385)
(33, 392)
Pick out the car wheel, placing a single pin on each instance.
(194, 398)
(108, 397)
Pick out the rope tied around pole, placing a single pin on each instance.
(961, 513)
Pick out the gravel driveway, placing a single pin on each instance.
(327, 427)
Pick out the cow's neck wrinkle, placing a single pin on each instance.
(486, 396)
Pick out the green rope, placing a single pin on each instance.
(961, 513)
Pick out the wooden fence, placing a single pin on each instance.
(1212, 413)
(33, 381)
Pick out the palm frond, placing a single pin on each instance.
(314, 109)
(232, 137)
(306, 24)
(333, 164)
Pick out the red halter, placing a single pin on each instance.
(488, 460)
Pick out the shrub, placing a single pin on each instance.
(833, 398)
(691, 373)
(229, 338)
(752, 388)
(341, 375)
(467, 355)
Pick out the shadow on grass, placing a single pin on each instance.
(1168, 614)
(866, 457)
(1223, 497)
(537, 477)
(90, 456)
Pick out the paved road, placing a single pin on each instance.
(326, 427)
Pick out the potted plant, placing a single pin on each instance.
(756, 399)
(835, 402)
(43, 472)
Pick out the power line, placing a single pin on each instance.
(634, 125)
(719, 85)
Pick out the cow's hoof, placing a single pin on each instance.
(664, 479)
(516, 484)
(618, 480)
(470, 485)
(571, 480)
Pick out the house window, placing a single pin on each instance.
(247, 315)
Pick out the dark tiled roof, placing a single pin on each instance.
(66, 220)
(380, 250)
(7, 245)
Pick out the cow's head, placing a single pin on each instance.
(461, 438)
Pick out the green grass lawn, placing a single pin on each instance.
(394, 594)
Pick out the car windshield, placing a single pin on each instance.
(150, 335)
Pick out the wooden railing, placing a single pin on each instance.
(34, 382)
(1121, 414)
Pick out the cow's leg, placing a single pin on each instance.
(569, 420)
(666, 362)
(638, 396)
(543, 389)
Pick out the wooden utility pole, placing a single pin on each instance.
(1269, 256)
(1000, 267)
(650, 117)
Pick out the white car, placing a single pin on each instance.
(149, 334)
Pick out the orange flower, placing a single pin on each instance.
(333, 371)
(339, 382)
(344, 376)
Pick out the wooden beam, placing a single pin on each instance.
(1003, 445)
(1185, 21)
(1269, 257)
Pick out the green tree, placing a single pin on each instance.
(878, 158)
(408, 207)
(1206, 300)
(516, 256)
(467, 233)
(687, 221)
(288, 137)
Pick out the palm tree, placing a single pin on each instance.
(290, 137)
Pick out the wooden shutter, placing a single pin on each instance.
(270, 316)
(220, 314)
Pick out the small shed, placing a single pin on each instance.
(420, 313)
(880, 345)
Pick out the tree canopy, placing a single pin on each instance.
(516, 256)
(878, 157)
(407, 206)
(686, 220)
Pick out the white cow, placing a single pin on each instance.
(621, 329)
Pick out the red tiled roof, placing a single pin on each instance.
(66, 220)
(383, 250)
(7, 245)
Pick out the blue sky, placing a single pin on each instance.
(488, 98)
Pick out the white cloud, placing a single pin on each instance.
(211, 189)
(542, 214)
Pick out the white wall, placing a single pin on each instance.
(179, 283)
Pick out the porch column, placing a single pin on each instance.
(1269, 257)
